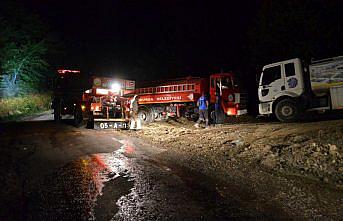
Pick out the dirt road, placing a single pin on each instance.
(169, 171)
(58, 172)
(297, 166)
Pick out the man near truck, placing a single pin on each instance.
(203, 110)
(135, 122)
(218, 112)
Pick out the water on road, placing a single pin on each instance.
(80, 174)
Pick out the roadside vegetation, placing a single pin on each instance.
(15, 107)
(25, 73)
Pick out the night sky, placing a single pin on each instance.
(146, 40)
(149, 39)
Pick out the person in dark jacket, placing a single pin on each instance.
(218, 111)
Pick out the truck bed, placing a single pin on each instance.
(325, 74)
(173, 91)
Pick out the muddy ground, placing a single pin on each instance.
(298, 166)
(249, 169)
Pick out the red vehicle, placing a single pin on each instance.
(100, 101)
(178, 97)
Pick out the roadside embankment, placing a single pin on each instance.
(13, 108)
(313, 150)
(299, 165)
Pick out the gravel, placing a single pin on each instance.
(299, 166)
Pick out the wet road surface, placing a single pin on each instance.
(57, 172)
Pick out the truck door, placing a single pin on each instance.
(293, 79)
(213, 89)
(271, 83)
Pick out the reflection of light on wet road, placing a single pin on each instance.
(116, 164)
(77, 191)
(126, 185)
(127, 146)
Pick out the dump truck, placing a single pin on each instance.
(289, 88)
(98, 101)
(178, 97)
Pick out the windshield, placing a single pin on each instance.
(270, 75)
(236, 81)
(70, 83)
(227, 82)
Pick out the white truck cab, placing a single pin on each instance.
(287, 88)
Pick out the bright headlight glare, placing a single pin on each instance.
(115, 87)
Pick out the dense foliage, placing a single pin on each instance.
(23, 50)
(14, 107)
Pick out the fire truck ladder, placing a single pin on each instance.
(167, 89)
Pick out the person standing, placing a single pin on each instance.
(127, 105)
(218, 112)
(135, 122)
(203, 111)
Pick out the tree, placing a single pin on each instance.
(22, 52)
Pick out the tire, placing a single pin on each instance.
(78, 118)
(157, 116)
(145, 115)
(90, 124)
(157, 113)
(57, 112)
(287, 110)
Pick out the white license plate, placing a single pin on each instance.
(110, 125)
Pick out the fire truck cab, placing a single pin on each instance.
(232, 99)
(98, 101)
(107, 104)
(68, 87)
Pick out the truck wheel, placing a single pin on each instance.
(57, 112)
(90, 123)
(157, 116)
(78, 118)
(287, 110)
(145, 115)
(157, 113)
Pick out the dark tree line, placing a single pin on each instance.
(24, 47)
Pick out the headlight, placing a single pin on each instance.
(115, 87)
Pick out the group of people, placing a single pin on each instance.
(202, 103)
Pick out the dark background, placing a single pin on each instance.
(149, 39)
(157, 39)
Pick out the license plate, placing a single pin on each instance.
(110, 125)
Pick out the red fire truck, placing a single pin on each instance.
(100, 101)
(178, 97)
